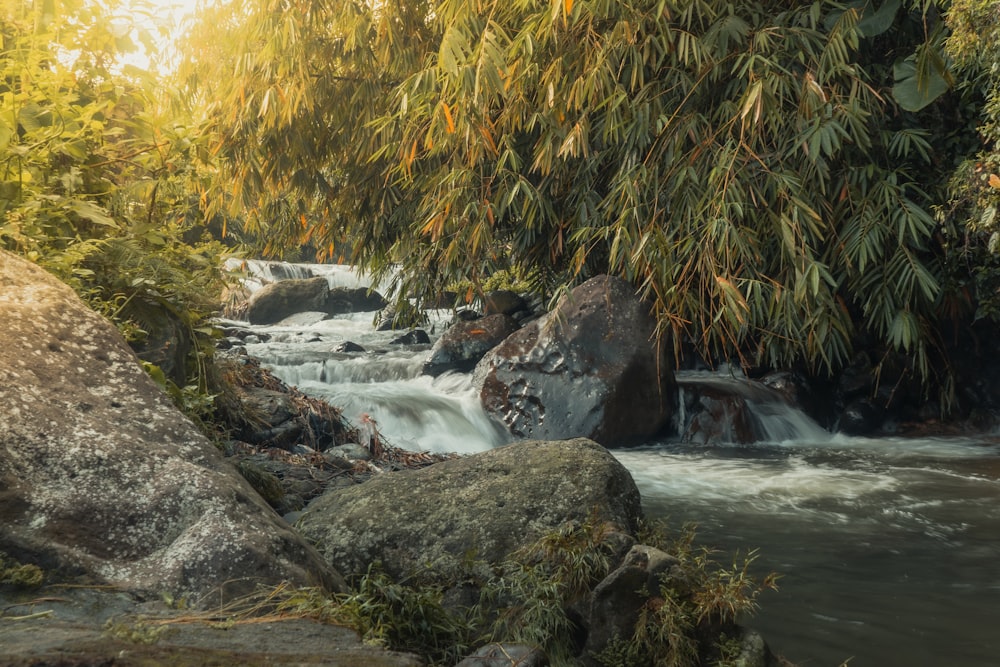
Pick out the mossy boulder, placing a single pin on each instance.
(481, 507)
(101, 476)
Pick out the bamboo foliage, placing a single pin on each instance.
(744, 164)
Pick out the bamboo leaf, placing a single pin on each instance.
(447, 117)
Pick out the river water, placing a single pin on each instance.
(888, 549)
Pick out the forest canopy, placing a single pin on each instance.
(779, 179)
(766, 172)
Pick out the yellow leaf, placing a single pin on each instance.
(488, 138)
(994, 181)
(568, 6)
(302, 219)
(412, 156)
(448, 118)
(434, 227)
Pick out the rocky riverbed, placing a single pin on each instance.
(156, 547)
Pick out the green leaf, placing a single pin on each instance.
(915, 89)
(32, 117)
(6, 133)
(91, 212)
(877, 21)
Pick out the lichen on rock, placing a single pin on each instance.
(101, 476)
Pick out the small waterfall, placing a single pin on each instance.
(739, 410)
(261, 272)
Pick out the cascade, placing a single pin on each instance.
(887, 547)
(770, 415)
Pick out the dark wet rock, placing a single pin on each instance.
(491, 503)
(263, 481)
(720, 418)
(464, 343)
(270, 407)
(351, 451)
(167, 343)
(503, 302)
(793, 387)
(277, 301)
(618, 600)
(860, 417)
(856, 379)
(590, 368)
(506, 655)
(338, 459)
(415, 337)
(100, 476)
(348, 346)
(266, 412)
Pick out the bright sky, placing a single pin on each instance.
(166, 23)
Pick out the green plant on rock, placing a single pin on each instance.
(536, 586)
(19, 575)
(527, 599)
(698, 603)
(405, 618)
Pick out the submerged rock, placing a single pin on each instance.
(277, 301)
(591, 368)
(413, 337)
(483, 507)
(101, 476)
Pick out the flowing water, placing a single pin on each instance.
(889, 549)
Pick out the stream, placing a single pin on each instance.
(887, 547)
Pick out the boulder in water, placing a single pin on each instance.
(486, 505)
(464, 343)
(503, 301)
(273, 303)
(101, 476)
(277, 301)
(720, 418)
(412, 337)
(590, 368)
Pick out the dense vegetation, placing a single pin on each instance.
(766, 172)
(100, 178)
(779, 178)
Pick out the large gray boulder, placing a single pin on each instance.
(101, 476)
(590, 368)
(484, 506)
(273, 303)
